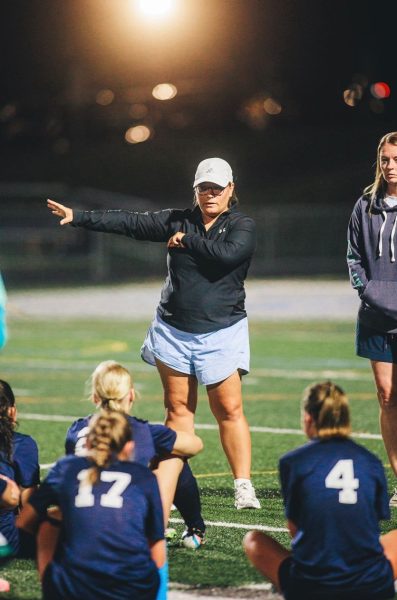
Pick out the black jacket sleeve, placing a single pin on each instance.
(238, 246)
(150, 226)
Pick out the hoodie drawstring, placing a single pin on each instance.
(393, 231)
(384, 215)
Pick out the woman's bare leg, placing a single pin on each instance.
(385, 375)
(389, 543)
(227, 406)
(265, 554)
(167, 474)
(180, 398)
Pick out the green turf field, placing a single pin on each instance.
(48, 363)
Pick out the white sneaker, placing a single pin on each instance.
(244, 496)
(393, 499)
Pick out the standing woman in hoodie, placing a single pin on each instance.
(371, 257)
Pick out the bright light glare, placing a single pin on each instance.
(137, 134)
(164, 91)
(156, 8)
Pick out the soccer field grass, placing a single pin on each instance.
(48, 363)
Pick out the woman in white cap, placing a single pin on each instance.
(200, 331)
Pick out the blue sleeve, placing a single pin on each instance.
(50, 490)
(163, 438)
(163, 587)
(3, 325)
(26, 462)
(155, 520)
(287, 489)
(3, 485)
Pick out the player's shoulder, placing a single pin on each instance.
(23, 441)
(136, 421)
(300, 452)
(79, 424)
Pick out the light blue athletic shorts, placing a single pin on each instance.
(211, 357)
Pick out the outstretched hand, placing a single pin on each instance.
(60, 210)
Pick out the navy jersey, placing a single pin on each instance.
(150, 440)
(335, 493)
(105, 529)
(25, 471)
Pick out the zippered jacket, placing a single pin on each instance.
(371, 258)
(204, 288)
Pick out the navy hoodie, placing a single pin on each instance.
(371, 258)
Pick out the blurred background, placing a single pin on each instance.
(112, 103)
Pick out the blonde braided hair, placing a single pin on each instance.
(109, 431)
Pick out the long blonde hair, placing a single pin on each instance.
(378, 186)
(110, 383)
(109, 431)
(328, 406)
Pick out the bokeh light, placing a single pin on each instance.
(353, 94)
(164, 91)
(380, 90)
(272, 107)
(137, 134)
(156, 8)
(104, 97)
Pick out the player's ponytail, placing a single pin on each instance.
(109, 432)
(110, 383)
(328, 405)
(7, 423)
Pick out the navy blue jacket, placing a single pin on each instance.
(204, 289)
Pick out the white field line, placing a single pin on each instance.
(82, 365)
(207, 426)
(235, 525)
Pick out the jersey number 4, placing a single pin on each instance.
(341, 477)
(113, 497)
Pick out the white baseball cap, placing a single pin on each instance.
(213, 170)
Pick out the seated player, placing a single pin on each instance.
(111, 544)
(19, 462)
(334, 494)
(9, 500)
(112, 389)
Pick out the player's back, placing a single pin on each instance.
(105, 528)
(335, 493)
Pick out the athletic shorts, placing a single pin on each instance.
(376, 345)
(302, 589)
(211, 357)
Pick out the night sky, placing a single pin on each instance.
(226, 59)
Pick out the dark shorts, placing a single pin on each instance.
(302, 589)
(376, 345)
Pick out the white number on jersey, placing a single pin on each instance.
(341, 477)
(80, 448)
(113, 497)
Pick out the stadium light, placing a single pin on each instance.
(156, 8)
